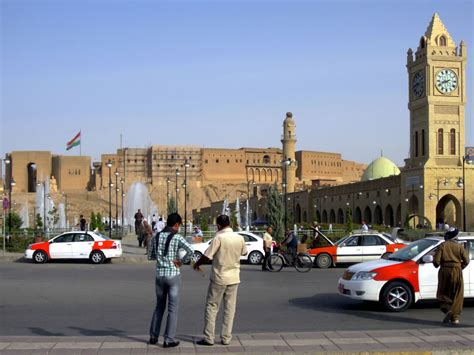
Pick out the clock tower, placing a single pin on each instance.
(437, 99)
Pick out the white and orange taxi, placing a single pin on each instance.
(354, 248)
(76, 245)
(405, 277)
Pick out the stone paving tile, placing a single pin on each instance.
(438, 338)
(138, 351)
(309, 335)
(186, 351)
(38, 352)
(330, 347)
(16, 352)
(308, 342)
(78, 345)
(270, 342)
(210, 349)
(30, 346)
(352, 334)
(65, 352)
(406, 339)
(307, 348)
(114, 352)
(343, 341)
(468, 336)
(235, 349)
(123, 345)
(89, 352)
(259, 349)
(4, 345)
(266, 336)
(244, 337)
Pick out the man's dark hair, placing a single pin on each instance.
(223, 220)
(81, 216)
(173, 219)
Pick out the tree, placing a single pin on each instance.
(99, 222)
(171, 205)
(14, 220)
(39, 222)
(233, 220)
(275, 213)
(204, 222)
(349, 225)
(93, 222)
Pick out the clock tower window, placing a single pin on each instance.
(442, 41)
(452, 141)
(416, 144)
(440, 141)
(423, 142)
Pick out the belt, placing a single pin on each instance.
(451, 264)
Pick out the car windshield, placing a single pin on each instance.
(341, 240)
(389, 237)
(102, 235)
(412, 250)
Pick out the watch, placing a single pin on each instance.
(418, 83)
(446, 81)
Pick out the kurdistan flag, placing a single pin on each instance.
(74, 142)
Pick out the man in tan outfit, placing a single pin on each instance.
(224, 251)
(452, 257)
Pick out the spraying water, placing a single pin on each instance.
(62, 216)
(24, 216)
(138, 197)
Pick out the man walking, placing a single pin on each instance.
(164, 249)
(452, 257)
(267, 247)
(82, 222)
(224, 251)
(138, 221)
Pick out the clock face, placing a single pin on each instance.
(446, 81)
(418, 84)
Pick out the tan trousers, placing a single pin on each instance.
(215, 294)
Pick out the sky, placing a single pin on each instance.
(215, 73)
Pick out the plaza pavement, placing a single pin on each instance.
(446, 340)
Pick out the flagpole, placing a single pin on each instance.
(80, 143)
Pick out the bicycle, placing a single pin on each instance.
(302, 262)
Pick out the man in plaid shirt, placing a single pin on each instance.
(164, 249)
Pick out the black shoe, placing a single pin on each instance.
(153, 340)
(204, 342)
(171, 344)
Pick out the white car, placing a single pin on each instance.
(405, 277)
(253, 242)
(76, 245)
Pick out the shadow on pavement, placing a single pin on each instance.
(106, 332)
(44, 332)
(333, 303)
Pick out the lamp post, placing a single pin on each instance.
(11, 184)
(109, 165)
(168, 180)
(122, 181)
(286, 163)
(462, 183)
(185, 186)
(65, 207)
(116, 196)
(177, 189)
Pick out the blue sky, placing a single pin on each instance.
(215, 74)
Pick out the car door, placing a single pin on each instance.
(349, 251)
(372, 247)
(250, 243)
(428, 278)
(82, 245)
(61, 247)
(470, 271)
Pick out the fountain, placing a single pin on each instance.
(237, 212)
(62, 216)
(138, 197)
(24, 216)
(43, 204)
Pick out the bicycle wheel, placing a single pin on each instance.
(276, 263)
(303, 263)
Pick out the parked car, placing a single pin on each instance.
(355, 248)
(75, 245)
(253, 242)
(407, 276)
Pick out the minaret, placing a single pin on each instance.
(289, 142)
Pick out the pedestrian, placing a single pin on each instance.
(267, 247)
(365, 228)
(164, 249)
(160, 225)
(153, 222)
(330, 228)
(82, 223)
(291, 244)
(451, 257)
(225, 251)
(197, 235)
(138, 220)
(141, 234)
(147, 234)
(446, 226)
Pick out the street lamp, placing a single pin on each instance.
(286, 163)
(168, 180)
(122, 181)
(44, 205)
(65, 207)
(12, 183)
(177, 189)
(116, 196)
(109, 165)
(185, 185)
(462, 183)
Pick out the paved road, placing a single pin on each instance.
(117, 299)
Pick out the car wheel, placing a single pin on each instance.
(97, 257)
(40, 257)
(196, 256)
(397, 296)
(324, 261)
(255, 258)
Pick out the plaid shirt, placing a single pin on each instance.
(164, 264)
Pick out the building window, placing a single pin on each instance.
(423, 142)
(205, 161)
(228, 161)
(266, 159)
(440, 141)
(217, 160)
(442, 41)
(416, 144)
(452, 141)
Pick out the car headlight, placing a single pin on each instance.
(364, 275)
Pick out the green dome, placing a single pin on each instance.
(379, 168)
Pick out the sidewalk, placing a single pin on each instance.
(447, 340)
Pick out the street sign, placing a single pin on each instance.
(6, 203)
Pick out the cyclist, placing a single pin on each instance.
(291, 244)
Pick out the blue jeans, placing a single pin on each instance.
(167, 290)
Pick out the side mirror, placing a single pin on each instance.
(427, 259)
(342, 245)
